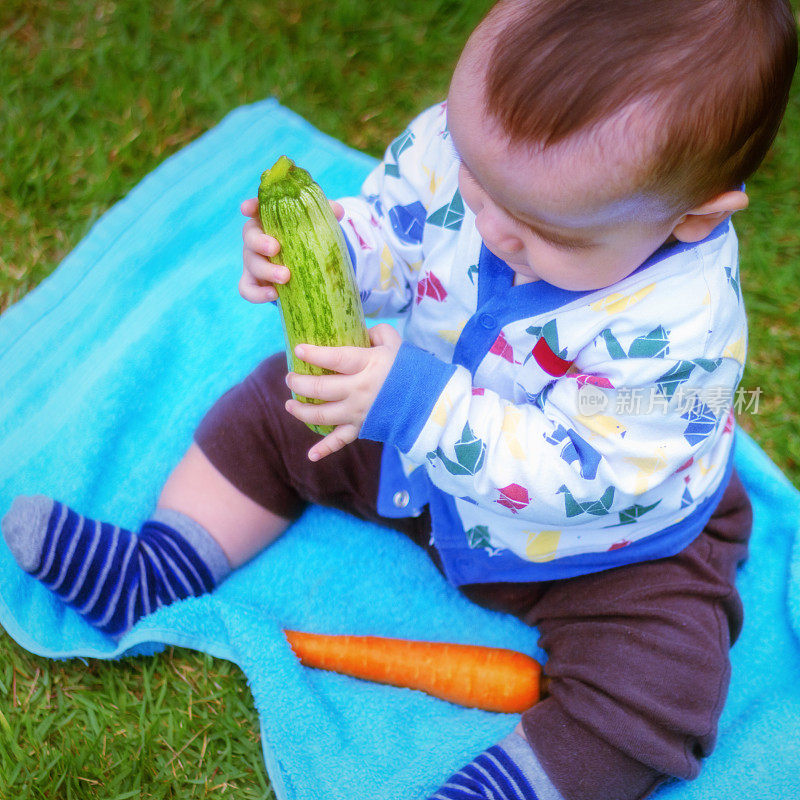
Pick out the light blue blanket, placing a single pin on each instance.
(106, 369)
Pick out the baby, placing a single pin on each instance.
(554, 426)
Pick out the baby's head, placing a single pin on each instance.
(592, 132)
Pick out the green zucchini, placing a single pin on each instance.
(321, 303)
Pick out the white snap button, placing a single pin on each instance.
(401, 499)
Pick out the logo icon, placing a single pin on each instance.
(591, 400)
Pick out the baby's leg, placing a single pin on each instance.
(203, 526)
(240, 526)
(638, 671)
(240, 484)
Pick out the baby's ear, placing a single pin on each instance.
(700, 221)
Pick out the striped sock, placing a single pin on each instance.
(507, 771)
(109, 575)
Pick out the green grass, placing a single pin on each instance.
(168, 726)
(93, 96)
(97, 94)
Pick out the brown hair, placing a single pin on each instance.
(719, 72)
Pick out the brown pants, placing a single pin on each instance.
(637, 663)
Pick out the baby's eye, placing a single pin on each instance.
(569, 247)
(555, 241)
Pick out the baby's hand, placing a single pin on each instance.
(261, 267)
(259, 274)
(348, 395)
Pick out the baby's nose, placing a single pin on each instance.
(496, 234)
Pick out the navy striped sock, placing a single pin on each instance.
(507, 771)
(110, 575)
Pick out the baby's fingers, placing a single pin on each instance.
(341, 436)
(320, 387)
(345, 360)
(262, 270)
(255, 292)
(337, 208)
(249, 207)
(256, 240)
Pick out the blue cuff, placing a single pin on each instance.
(407, 397)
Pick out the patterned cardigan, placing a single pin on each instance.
(552, 432)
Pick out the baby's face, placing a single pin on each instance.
(562, 215)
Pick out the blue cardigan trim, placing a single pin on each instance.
(407, 397)
(394, 485)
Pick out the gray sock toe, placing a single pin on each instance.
(24, 527)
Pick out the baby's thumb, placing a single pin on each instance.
(383, 333)
(338, 209)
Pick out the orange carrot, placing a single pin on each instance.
(491, 678)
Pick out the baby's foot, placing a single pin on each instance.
(110, 575)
